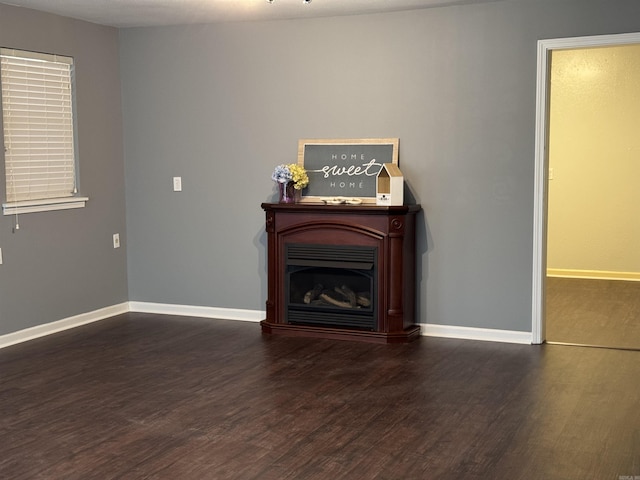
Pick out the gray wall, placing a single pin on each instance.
(61, 264)
(221, 105)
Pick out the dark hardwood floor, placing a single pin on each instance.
(593, 312)
(144, 396)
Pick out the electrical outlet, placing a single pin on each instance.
(116, 240)
(0, 256)
(177, 184)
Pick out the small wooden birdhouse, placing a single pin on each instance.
(390, 186)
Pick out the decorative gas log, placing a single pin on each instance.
(363, 299)
(348, 294)
(340, 296)
(311, 295)
(327, 297)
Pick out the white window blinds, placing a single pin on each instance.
(37, 112)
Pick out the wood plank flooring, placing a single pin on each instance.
(593, 312)
(143, 396)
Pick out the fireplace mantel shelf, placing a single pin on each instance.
(342, 208)
(389, 231)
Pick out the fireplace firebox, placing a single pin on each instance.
(331, 285)
(341, 271)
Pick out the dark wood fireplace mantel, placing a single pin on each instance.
(389, 231)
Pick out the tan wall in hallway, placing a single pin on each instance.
(594, 154)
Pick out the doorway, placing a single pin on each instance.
(578, 278)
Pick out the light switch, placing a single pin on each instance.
(177, 184)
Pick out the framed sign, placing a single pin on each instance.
(344, 167)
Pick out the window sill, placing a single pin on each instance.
(49, 204)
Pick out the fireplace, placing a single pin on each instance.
(341, 271)
(331, 285)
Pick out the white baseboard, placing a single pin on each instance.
(60, 325)
(471, 333)
(194, 311)
(427, 329)
(593, 274)
(142, 307)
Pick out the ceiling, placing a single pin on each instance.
(137, 13)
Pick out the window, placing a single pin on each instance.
(38, 125)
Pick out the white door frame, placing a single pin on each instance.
(538, 331)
